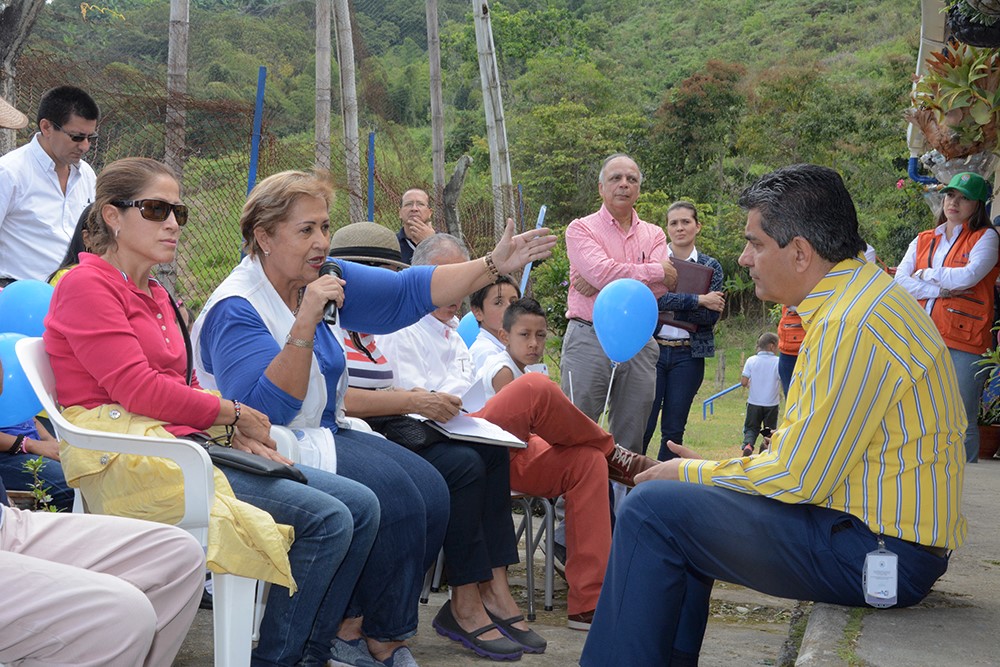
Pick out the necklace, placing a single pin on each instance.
(298, 301)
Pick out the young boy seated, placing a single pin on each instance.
(523, 334)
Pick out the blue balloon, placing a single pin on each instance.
(468, 328)
(23, 307)
(625, 317)
(18, 402)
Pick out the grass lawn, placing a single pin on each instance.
(720, 435)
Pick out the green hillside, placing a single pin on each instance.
(707, 95)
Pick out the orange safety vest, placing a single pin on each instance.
(965, 321)
(790, 332)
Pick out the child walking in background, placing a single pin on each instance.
(760, 374)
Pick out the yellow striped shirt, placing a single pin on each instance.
(874, 423)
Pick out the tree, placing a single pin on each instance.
(694, 130)
(17, 18)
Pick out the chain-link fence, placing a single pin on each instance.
(216, 157)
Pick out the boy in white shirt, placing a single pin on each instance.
(523, 335)
(760, 374)
(488, 305)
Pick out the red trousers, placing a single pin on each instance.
(566, 455)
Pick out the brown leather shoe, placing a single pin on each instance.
(624, 465)
(580, 621)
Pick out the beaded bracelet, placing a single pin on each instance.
(490, 266)
(236, 409)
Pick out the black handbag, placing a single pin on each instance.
(225, 455)
(237, 459)
(411, 433)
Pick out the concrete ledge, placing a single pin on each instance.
(823, 635)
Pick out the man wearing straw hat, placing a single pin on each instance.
(45, 185)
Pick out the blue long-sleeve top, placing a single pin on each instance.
(685, 308)
(236, 346)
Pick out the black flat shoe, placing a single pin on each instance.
(494, 649)
(530, 641)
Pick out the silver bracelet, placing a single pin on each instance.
(298, 342)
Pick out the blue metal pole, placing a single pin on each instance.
(709, 404)
(527, 269)
(371, 176)
(520, 207)
(258, 120)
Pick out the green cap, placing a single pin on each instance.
(973, 186)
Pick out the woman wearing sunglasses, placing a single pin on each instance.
(120, 363)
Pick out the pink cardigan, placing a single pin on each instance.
(109, 342)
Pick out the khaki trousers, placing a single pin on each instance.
(82, 589)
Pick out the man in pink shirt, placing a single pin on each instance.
(602, 247)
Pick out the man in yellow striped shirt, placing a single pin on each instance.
(870, 449)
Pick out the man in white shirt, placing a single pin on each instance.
(431, 353)
(45, 185)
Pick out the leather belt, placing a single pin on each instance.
(940, 552)
(583, 322)
(679, 342)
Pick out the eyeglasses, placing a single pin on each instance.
(156, 210)
(76, 138)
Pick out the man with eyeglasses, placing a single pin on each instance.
(415, 217)
(45, 185)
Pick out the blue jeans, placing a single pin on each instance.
(335, 521)
(970, 386)
(672, 541)
(786, 366)
(678, 378)
(18, 479)
(415, 508)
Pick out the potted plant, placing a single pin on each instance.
(989, 406)
(956, 103)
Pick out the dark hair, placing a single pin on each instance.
(478, 297)
(523, 306)
(685, 205)
(978, 219)
(58, 104)
(122, 179)
(809, 201)
(76, 244)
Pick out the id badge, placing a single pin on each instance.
(878, 579)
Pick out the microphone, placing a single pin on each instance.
(330, 312)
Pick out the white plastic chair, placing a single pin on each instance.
(233, 596)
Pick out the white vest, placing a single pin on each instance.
(248, 281)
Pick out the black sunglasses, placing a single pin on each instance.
(76, 138)
(156, 210)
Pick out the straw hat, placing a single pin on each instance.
(10, 117)
(367, 242)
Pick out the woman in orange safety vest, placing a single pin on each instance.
(952, 270)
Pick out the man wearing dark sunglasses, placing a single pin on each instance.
(46, 184)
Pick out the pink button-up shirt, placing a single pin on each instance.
(601, 253)
(109, 342)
